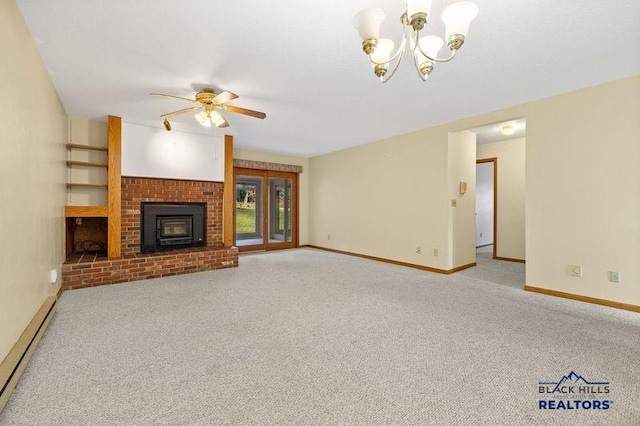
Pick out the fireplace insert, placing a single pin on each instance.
(167, 226)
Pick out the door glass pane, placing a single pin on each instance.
(279, 210)
(249, 210)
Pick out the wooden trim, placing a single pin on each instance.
(87, 147)
(395, 262)
(85, 163)
(16, 361)
(86, 185)
(59, 293)
(494, 160)
(510, 259)
(263, 165)
(85, 211)
(114, 197)
(587, 299)
(228, 205)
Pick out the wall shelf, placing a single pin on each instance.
(85, 211)
(87, 147)
(86, 185)
(85, 163)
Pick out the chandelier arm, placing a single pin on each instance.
(417, 66)
(395, 67)
(453, 54)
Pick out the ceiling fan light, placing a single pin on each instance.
(217, 119)
(458, 16)
(203, 118)
(368, 22)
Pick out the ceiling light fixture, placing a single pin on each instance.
(507, 130)
(456, 17)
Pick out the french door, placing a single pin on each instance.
(266, 213)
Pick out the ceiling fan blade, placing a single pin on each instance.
(193, 101)
(224, 97)
(223, 123)
(179, 112)
(249, 112)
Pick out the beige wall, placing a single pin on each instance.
(303, 203)
(462, 222)
(384, 199)
(32, 176)
(511, 194)
(582, 192)
(94, 133)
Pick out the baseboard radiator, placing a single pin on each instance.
(16, 361)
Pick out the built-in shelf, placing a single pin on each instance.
(86, 185)
(85, 163)
(87, 147)
(85, 211)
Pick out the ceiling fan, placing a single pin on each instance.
(208, 101)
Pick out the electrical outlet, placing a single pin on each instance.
(78, 221)
(328, 236)
(576, 270)
(418, 250)
(53, 276)
(614, 276)
(435, 252)
(454, 203)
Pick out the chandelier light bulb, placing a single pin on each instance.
(431, 45)
(383, 51)
(457, 18)
(368, 22)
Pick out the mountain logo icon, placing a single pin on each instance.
(572, 378)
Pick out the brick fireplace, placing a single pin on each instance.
(135, 265)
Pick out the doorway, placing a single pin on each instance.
(487, 206)
(266, 213)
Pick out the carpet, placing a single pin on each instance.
(310, 337)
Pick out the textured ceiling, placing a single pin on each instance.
(301, 63)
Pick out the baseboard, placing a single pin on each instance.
(510, 259)
(16, 361)
(59, 293)
(396, 262)
(603, 302)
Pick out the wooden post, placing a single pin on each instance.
(114, 197)
(229, 191)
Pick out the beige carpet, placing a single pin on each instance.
(313, 338)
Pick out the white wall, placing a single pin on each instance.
(32, 179)
(510, 241)
(462, 168)
(156, 153)
(484, 204)
(303, 182)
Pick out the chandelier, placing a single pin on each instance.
(456, 17)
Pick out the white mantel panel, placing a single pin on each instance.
(156, 153)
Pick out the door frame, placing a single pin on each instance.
(493, 160)
(265, 175)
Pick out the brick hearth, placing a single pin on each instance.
(79, 272)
